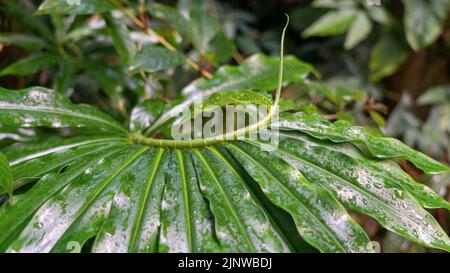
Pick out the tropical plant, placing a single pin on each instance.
(431, 135)
(91, 182)
(423, 22)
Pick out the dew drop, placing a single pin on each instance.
(377, 185)
(399, 193)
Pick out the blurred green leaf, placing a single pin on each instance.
(335, 3)
(380, 15)
(64, 80)
(74, 7)
(220, 48)
(28, 22)
(154, 58)
(388, 54)
(203, 25)
(145, 113)
(171, 16)
(110, 80)
(378, 118)
(305, 15)
(424, 21)
(332, 23)
(193, 20)
(121, 37)
(30, 65)
(337, 90)
(435, 95)
(358, 31)
(22, 40)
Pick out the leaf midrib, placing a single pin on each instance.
(61, 112)
(271, 220)
(104, 184)
(143, 205)
(187, 208)
(68, 180)
(228, 204)
(60, 148)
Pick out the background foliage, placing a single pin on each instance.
(385, 68)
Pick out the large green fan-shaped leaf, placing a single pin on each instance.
(128, 197)
(38, 106)
(62, 210)
(115, 194)
(109, 193)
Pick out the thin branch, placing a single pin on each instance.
(158, 37)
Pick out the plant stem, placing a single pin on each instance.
(280, 69)
(196, 143)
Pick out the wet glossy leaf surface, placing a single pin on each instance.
(381, 147)
(145, 113)
(132, 198)
(38, 106)
(74, 7)
(141, 199)
(75, 179)
(316, 213)
(6, 177)
(364, 189)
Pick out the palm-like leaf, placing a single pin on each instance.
(131, 197)
(131, 194)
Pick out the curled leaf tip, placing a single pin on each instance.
(280, 70)
(287, 19)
